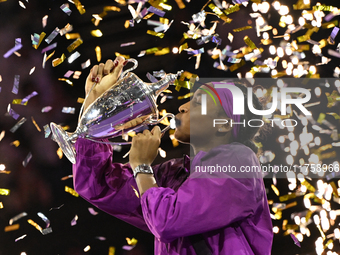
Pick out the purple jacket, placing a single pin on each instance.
(232, 214)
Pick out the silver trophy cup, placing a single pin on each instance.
(127, 99)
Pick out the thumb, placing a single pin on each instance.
(156, 131)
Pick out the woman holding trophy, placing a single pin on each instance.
(189, 212)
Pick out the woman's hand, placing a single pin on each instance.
(105, 75)
(144, 148)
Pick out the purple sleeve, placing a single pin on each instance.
(200, 205)
(109, 186)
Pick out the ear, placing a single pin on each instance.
(224, 128)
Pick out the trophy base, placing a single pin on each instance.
(63, 140)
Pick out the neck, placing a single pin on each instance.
(210, 143)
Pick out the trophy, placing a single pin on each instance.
(127, 99)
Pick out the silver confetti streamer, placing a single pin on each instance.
(53, 35)
(15, 88)
(17, 217)
(18, 124)
(73, 57)
(27, 159)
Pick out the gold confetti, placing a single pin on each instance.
(66, 80)
(96, 33)
(335, 190)
(136, 192)
(183, 47)
(34, 225)
(66, 177)
(58, 61)
(80, 100)
(132, 241)
(1, 205)
(219, 13)
(127, 23)
(275, 190)
(18, 101)
(72, 36)
(308, 186)
(122, 55)
(111, 8)
(71, 191)
(300, 5)
(98, 53)
(237, 65)
(74, 45)
(249, 42)
(16, 143)
(287, 197)
(150, 32)
(42, 35)
(330, 24)
(76, 74)
(232, 9)
(4, 192)
(35, 124)
(112, 250)
(12, 227)
(186, 96)
(180, 4)
(162, 52)
(242, 28)
(323, 7)
(60, 153)
(79, 6)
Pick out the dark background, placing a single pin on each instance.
(38, 186)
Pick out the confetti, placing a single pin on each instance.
(74, 220)
(112, 250)
(92, 211)
(12, 227)
(53, 35)
(17, 47)
(65, 8)
(56, 208)
(87, 248)
(333, 35)
(2, 135)
(66, 177)
(68, 28)
(27, 159)
(296, 241)
(35, 124)
(45, 219)
(72, 36)
(46, 109)
(1, 205)
(58, 61)
(76, 74)
(60, 153)
(86, 64)
(25, 100)
(96, 33)
(50, 47)
(242, 28)
(70, 110)
(79, 6)
(20, 238)
(4, 192)
(18, 124)
(17, 217)
(74, 45)
(44, 21)
(22, 5)
(71, 191)
(127, 44)
(98, 53)
(73, 57)
(12, 113)
(68, 73)
(15, 88)
(34, 225)
(150, 32)
(16, 143)
(32, 70)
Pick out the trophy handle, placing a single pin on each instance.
(135, 64)
(149, 121)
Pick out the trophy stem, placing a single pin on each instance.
(64, 140)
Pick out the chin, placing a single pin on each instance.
(181, 137)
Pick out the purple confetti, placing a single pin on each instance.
(295, 240)
(74, 220)
(92, 211)
(156, 11)
(151, 78)
(46, 109)
(12, 113)
(194, 52)
(50, 47)
(34, 93)
(68, 74)
(15, 88)
(333, 34)
(17, 46)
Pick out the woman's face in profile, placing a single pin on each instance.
(191, 124)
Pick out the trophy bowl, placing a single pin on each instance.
(127, 99)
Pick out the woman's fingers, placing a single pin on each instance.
(100, 72)
(94, 72)
(108, 66)
(119, 66)
(132, 123)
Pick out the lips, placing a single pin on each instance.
(178, 122)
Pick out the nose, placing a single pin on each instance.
(184, 107)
